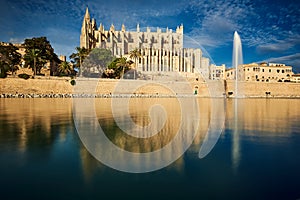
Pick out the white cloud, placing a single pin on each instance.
(218, 20)
(265, 27)
(293, 60)
(290, 41)
(16, 40)
(132, 12)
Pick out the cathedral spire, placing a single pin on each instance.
(87, 14)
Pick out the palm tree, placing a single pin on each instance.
(123, 63)
(65, 68)
(135, 54)
(34, 54)
(79, 57)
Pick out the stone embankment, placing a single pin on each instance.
(91, 96)
(110, 88)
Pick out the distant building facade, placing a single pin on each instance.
(63, 58)
(161, 51)
(295, 78)
(262, 72)
(217, 72)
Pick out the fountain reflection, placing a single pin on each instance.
(260, 119)
(237, 59)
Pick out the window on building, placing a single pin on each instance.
(278, 70)
(282, 71)
(263, 70)
(270, 70)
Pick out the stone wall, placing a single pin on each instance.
(263, 89)
(35, 86)
(102, 87)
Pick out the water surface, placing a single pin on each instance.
(256, 157)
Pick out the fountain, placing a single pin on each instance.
(237, 58)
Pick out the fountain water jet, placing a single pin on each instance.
(237, 58)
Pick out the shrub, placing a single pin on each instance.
(73, 82)
(24, 76)
(3, 75)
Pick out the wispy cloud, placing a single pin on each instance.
(293, 60)
(132, 12)
(258, 25)
(217, 20)
(16, 40)
(267, 28)
(283, 45)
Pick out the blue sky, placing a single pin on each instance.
(269, 30)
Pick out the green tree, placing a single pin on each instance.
(9, 57)
(4, 67)
(97, 60)
(117, 68)
(38, 51)
(135, 54)
(123, 65)
(78, 57)
(65, 68)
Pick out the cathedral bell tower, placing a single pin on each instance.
(84, 39)
(87, 36)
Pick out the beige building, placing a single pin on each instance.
(230, 74)
(161, 50)
(63, 58)
(295, 78)
(262, 72)
(217, 72)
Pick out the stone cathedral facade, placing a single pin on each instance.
(161, 51)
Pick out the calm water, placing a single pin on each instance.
(42, 157)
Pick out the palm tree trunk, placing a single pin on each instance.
(34, 67)
(134, 70)
(80, 70)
